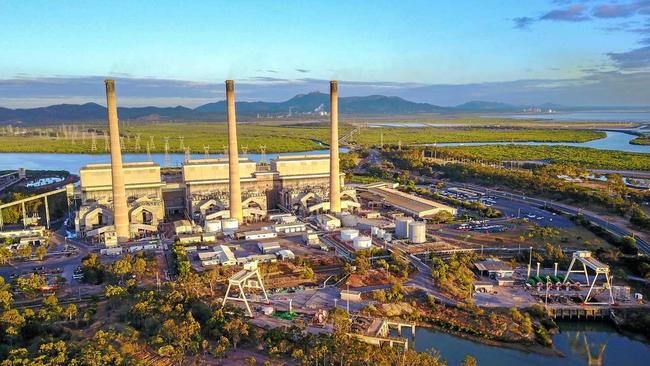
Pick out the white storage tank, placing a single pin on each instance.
(380, 233)
(402, 227)
(349, 234)
(212, 226)
(361, 242)
(417, 232)
(388, 237)
(349, 220)
(374, 230)
(229, 225)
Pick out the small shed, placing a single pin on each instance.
(496, 269)
(286, 254)
(269, 247)
(182, 227)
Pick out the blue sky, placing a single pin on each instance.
(171, 52)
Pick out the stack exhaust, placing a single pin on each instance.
(233, 155)
(335, 181)
(120, 209)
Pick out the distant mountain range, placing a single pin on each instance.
(315, 103)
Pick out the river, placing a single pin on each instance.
(572, 341)
(598, 116)
(614, 141)
(73, 162)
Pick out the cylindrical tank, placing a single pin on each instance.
(361, 242)
(349, 234)
(402, 227)
(349, 220)
(388, 237)
(212, 226)
(229, 224)
(380, 233)
(417, 232)
(373, 230)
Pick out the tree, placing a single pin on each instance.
(31, 284)
(121, 267)
(25, 251)
(222, 346)
(628, 245)
(469, 361)
(6, 297)
(139, 267)
(70, 311)
(41, 252)
(12, 321)
(236, 329)
(308, 273)
(5, 255)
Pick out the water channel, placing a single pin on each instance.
(578, 342)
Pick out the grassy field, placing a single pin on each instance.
(578, 156)
(298, 137)
(641, 140)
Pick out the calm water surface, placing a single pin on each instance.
(72, 162)
(614, 141)
(578, 341)
(629, 116)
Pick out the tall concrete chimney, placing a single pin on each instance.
(120, 210)
(233, 155)
(335, 181)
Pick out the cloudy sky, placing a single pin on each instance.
(574, 52)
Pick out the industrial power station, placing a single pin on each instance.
(136, 200)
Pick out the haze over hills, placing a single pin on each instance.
(300, 105)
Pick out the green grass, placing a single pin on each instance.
(281, 138)
(641, 140)
(569, 155)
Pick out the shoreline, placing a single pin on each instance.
(535, 348)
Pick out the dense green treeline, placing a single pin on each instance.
(303, 137)
(579, 156)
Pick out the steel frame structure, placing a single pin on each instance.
(587, 261)
(242, 280)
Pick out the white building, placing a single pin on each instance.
(260, 234)
(267, 248)
(220, 255)
(328, 222)
(289, 228)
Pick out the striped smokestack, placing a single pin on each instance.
(120, 209)
(335, 181)
(233, 155)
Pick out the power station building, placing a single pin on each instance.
(134, 193)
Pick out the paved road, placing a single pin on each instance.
(67, 263)
(592, 217)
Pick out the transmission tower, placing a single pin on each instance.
(168, 159)
(122, 143)
(151, 144)
(244, 150)
(93, 142)
(188, 156)
(206, 151)
(105, 142)
(263, 152)
(137, 143)
(181, 145)
(148, 152)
